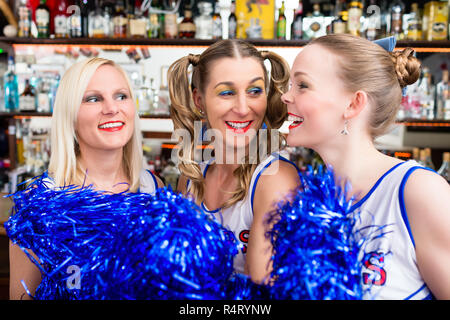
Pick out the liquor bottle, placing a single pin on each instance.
(314, 26)
(217, 22)
(11, 87)
(204, 22)
(120, 21)
(43, 19)
(281, 23)
(444, 170)
(397, 9)
(97, 22)
(170, 21)
(427, 90)
(60, 20)
(414, 28)
(442, 95)
(428, 160)
(339, 25)
(435, 20)
(354, 17)
(232, 21)
(415, 154)
(297, 23)
(137, 22)
(27, 99)
(75, 23)
(156, 23)
(108, 12)
(422, 158)
(186, 28)
(24, 11)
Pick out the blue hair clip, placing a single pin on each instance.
(387, 44)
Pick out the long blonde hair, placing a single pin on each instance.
(64, 167)
(364, 65)
(184, 112)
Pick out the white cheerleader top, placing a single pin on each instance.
(239, 217)
(390, 270)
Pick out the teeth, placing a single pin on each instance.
(111, 125)
(294, 118)
(237, 125)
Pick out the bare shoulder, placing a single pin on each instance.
(275, 184)
(427, 192)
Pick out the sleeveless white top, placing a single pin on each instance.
(239, 217)
(389, 262)
(148, 183)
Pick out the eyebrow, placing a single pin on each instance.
(301, 73)
(101, 92)
(228, 83)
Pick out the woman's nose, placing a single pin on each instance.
(286, 97)
(110, 106)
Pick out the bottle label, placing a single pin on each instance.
(42, 17)
(354, 20)
(396, 22)
(339, 27)
(170, 25)
(44, 102)
(24, 22)
(27, 103)
(138, 27)
(60, 25)
(281, 28)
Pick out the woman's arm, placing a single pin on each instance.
(21, 268)
(427, 201)
(279, 179)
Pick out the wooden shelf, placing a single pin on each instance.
(48, 114)
(421, 46)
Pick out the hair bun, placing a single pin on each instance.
(193, 59)
(406, 66)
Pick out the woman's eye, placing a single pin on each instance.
(226, 93)
(255, 91)
(92, 99)
(302, 85)
(122, 96)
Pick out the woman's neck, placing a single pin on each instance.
(104, 169)
(357, 161)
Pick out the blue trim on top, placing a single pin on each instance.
(210, 211)
(424, 286)
(154, 179)
(401, 199)
(276, 157)
(360, 202)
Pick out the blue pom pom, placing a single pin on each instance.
(94, 245)
(315, 243)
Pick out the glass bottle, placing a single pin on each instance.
(427, 90)
(11, 87)
(373, 18)
(96, 22)
(204, 22)
(444, 170)
(43, 19)
(24, 12)
(232, 21)
(186, 28)
(354, 17)
(170, 21)
(422, 158)
(313, 26)
(86, 7)
(396, 10)
(27, 99)
(138, 23)
(120, 21)
(108, 12)
(428, 160)
(414, 24)
(75, 23)
(217, 22)
(281, 23)
(297, 23)
(60, 20)
(339, 24)
(156, 22)
(442, 95)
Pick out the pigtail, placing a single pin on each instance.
(184, 114)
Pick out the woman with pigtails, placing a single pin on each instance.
(232, 96)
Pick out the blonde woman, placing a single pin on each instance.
(232, 94)
(346, 92)
(95, 140)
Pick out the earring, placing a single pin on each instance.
(345, 131)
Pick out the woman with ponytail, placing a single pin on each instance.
(232, 97)
(345, 92)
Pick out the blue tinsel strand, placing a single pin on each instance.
(316, 246)
(126, 246)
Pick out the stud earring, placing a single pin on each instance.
(345, 131)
